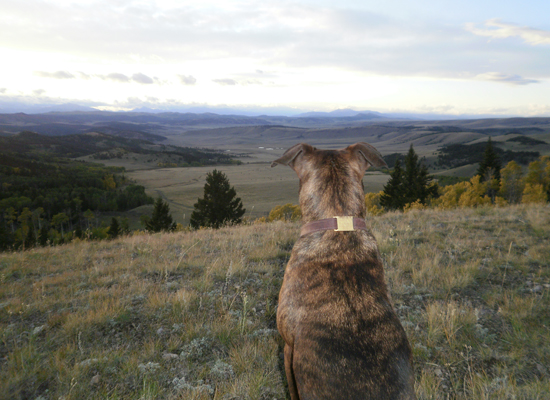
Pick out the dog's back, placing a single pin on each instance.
(343, 338)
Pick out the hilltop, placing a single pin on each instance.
(191, 315)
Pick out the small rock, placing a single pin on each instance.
(169, 356)
(95, 379)
(407, 324)
(88, 362)
(537, 289)
(542, 369)
(160, 331)
(150, 367)
(38, 330)
(438, 372)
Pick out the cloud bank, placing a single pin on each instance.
(187, 80)
(496, 29)
(505, 78)
(55, 75)
(225, 82)
(114, 77)
(280, 52)
(297, 35)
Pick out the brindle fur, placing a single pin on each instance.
(343, 340)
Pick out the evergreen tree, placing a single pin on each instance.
(161, 220)
(43, 237)
(408, 185)
(125, 226)
(6, 237)
(490, 166)
(219, 205)
(423, 185)
(392, 196)
(489, 170)
(30, 240)
(78, 231)
(114, 228)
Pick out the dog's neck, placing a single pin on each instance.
(337, 224)
(334, 190)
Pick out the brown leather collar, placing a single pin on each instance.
(339, 224)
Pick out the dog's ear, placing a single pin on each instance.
(367, 155)
(294, 157)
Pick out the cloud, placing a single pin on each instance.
(38, 92)
(121, 78)
(84, 75)
(142, 78)
(3, 90)
(252, 82)
(116, 77)
(187, 79)
(225, 82)
(284, 35)
(55, 75)
(504, 78)
(496, 29)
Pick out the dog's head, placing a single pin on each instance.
(331, 181)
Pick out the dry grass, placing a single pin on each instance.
(191, 315)
(258, 185)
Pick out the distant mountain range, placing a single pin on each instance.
(195, 128)
(11, 108)
(18, 107)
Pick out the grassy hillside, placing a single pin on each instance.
(102, 146)
(191, 315)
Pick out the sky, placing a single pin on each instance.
(422, 56)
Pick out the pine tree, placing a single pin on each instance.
(125, 226)
(490, 166)
(392, 196)
(489, 170)
(78, 231)
(408, 185)
(43, 237)
(30, 240)
(219, 206)
(424, 188)
(114, 228)
(6, 237)
(161, 220)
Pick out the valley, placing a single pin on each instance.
(170, 153)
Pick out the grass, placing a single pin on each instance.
(258, 185)
(191, 315)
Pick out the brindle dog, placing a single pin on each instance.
(343, 340)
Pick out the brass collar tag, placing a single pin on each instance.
(344, 224)
(336, 224)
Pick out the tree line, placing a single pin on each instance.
(411, 187)
(50, 200)
(25, 222)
